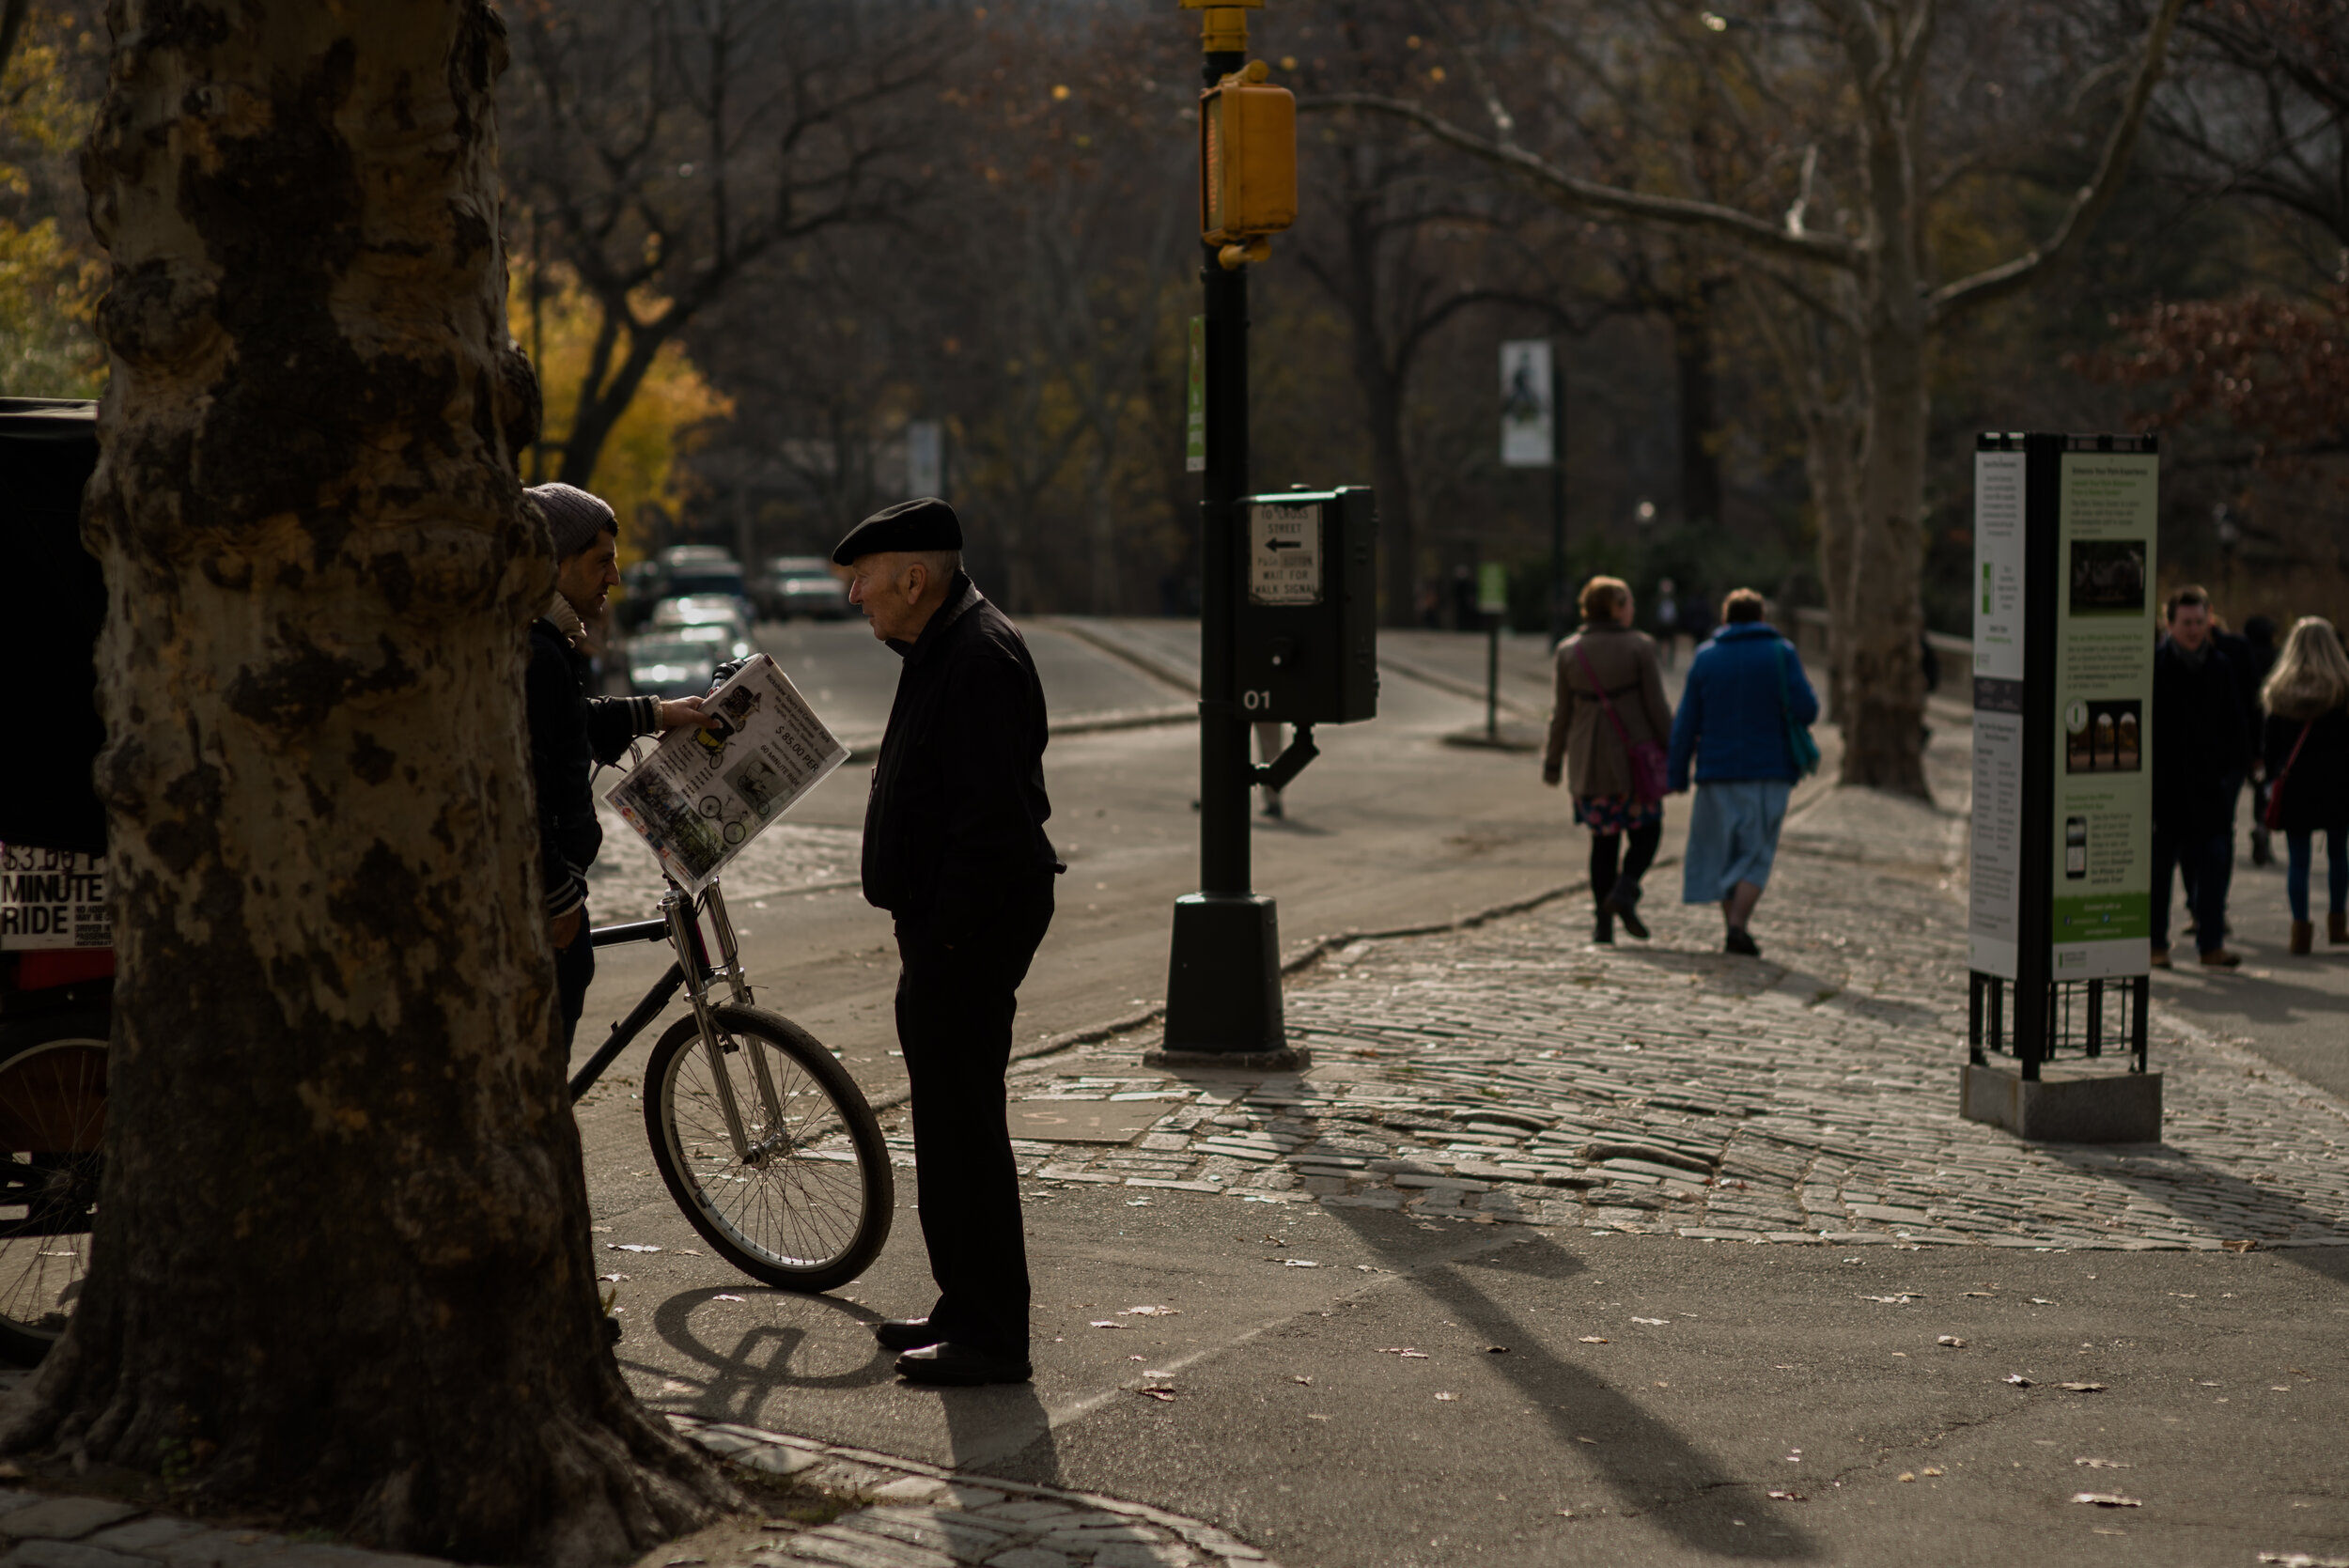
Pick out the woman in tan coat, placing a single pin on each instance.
(1608, 729)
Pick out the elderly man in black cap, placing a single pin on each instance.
(572, 732)
(955, 848)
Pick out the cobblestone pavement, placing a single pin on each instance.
(1517, 1074)
(903, 1515)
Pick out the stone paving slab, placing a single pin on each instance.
(1517, 1074)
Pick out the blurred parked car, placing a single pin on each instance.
(677, 660)
(802, 586)
(701, 610)
(679, 572)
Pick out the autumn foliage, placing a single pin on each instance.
(2276, 370)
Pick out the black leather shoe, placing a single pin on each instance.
(1630, 918)
(961, 1366)
(1741, 942)
(906, 1334)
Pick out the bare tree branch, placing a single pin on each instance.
(2011, 277)
(1568, 191)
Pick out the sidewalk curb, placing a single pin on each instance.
(884, 1480)
(1149, 664)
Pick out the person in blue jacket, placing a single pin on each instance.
(1745, 691)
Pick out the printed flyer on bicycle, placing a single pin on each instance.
(703, 793)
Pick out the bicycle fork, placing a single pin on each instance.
(677, 907)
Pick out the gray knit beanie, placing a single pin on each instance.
(573, 516)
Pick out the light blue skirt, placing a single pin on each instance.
(1732, 837)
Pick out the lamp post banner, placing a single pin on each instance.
(1527, 433)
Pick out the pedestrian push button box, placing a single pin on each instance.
(1307, 628)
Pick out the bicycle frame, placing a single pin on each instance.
(680, 927)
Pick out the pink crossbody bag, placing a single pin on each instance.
(1650, 763)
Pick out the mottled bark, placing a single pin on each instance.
(341, 1266)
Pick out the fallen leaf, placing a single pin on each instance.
(2107, 1499)
(1906, 1475)
(724, 1297)
(1110, 1323)
(2104, 1464)
(1307, 1381)
(1594, 1338)
(2042, 1301)
(1898, 1300)
(1932, 1469)
(1447, 1397)
(1983, 1293)
(1496, 1350)
(612, 1278)
(1151, 1311)
(629, 1247)
(1403, 1350)
(1951, 1341)
(2020, 1380)
(1298, 1262)
(2081, 1388)
(1654, 1322)
(687, 1252)
(1163, 1395)
(1789, 1496)
(2238, 1246)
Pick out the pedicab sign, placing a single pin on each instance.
(703, 793)
(51, 898)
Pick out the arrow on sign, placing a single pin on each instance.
(1284, 544)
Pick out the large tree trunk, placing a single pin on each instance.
(1883, 687)
(1700, 416)
(341, 1268)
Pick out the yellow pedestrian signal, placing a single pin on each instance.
(1247, 159)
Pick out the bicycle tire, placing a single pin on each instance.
(53, 1119)
(812, 1211)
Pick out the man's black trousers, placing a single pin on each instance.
(574, 970)
(955, 1010)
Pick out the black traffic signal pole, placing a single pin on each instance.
(1223, 982)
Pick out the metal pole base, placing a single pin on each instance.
(1223, 988)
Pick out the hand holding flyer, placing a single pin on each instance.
(705, 793)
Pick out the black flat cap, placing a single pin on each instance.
(926, 523)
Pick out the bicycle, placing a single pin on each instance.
(764, 1140)
(794, 1195)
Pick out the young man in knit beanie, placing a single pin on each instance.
(572, 732)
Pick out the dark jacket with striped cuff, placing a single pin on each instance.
(569, 734)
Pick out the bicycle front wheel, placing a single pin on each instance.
(53, 1116)
(803, 1201)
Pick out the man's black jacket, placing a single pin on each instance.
(569, 734)
(2201, 739)
(957, 810)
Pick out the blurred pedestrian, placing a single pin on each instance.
(1270, 740)
(1746, 711)
(2201, 751)
(2306, 747)
(2259, 642)
(1608, 730)
(1667, 617)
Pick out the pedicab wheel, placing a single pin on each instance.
(52, 1120)
(804, 1204)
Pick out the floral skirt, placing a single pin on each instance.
(1616, 813)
